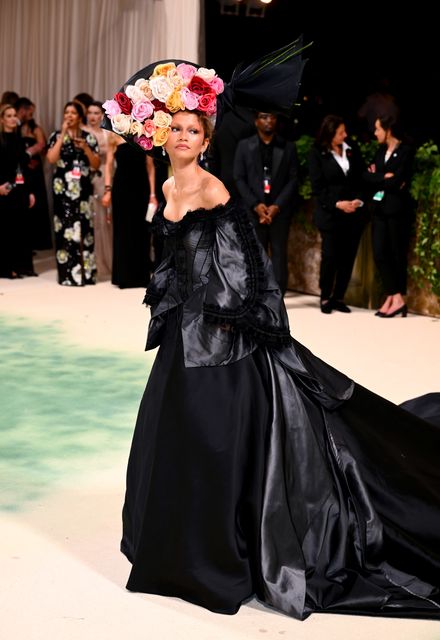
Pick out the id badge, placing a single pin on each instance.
(378, 196)
(76, 171)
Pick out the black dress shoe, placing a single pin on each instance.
(326, 307)
(379, 313)
(338, 305)
(29, 273)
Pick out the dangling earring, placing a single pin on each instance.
(202, 157)
(163, 152)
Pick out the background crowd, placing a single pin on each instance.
(94, 214)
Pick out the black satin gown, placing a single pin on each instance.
(256, 469)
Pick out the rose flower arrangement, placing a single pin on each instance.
(144, 111)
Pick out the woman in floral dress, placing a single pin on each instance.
(74, 152)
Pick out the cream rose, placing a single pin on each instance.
(144, 86)
(162, 120)
(136, 128)
(121, 123)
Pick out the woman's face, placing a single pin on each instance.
(9, 120)
(71, 116)
(380, 133)
(187, 137)
(94, 116)
(340, 135)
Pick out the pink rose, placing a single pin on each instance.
(145, 143)
(190, 99)
(124, 102)
(142, 110)
(111, 108)
(217, 84)
(149, 128)
(186, 71)
(208, 103)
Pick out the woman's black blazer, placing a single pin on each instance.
(396, 189)
(330, 184)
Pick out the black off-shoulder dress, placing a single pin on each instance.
(256, 469)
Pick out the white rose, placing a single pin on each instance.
(134, 93)
(161, 88)
(206, 74)
(76, 231)
(68, 233)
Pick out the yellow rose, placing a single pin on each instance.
(161, 119)
(161, 136)
(174, 102)
(162, 69)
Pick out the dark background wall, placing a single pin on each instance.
(351, 51)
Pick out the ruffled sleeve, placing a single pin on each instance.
(242, 292)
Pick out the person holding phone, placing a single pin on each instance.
(75, 152)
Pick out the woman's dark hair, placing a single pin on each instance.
(24, 102)
(9, 97)
(327, 130)
(96, 103)
(78, 108)
(392, 124)
(85, 98)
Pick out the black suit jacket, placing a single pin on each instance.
(396, 189)
(330, 184)
(248, 173)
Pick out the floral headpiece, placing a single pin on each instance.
(142, 113)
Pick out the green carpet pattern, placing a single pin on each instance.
(63, 408)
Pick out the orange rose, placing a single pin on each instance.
(163, 69)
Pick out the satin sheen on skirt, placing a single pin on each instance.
(240, 482)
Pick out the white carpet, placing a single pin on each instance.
(62, 576)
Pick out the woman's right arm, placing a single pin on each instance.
(108, 172)
(54, 153)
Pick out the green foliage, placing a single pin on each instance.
(425, 189)
(303, 146)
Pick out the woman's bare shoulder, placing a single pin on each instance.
(214, 192)
(167, 186)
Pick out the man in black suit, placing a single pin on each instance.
(266, 177)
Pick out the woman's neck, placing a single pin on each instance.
(185, 176)
(392, 142)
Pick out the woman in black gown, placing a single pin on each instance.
(129, 187)
(256, 468)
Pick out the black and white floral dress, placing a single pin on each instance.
(73, 213)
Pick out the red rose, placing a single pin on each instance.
(199, 86)
(208, 103)
(159, 106)
(124, 102)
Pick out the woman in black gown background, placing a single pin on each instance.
(255, 467)
(129, 184)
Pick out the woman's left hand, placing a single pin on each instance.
(31, 200)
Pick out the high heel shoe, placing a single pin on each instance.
(401, 310)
